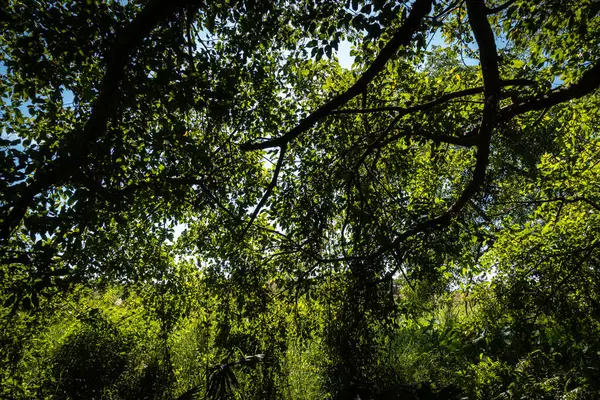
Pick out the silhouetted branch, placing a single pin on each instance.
(450, 7)
(61, 170)
(269, 190)
(491, 79)
(589, 81)
(403, 37)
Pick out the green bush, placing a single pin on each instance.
(91, 359)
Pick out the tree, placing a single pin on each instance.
(435, 164)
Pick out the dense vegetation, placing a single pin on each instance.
(199, 201)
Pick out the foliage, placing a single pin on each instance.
(90, 360)
(188, 186)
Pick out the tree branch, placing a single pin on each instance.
(451, 6)
(589, 81)
(268, 192)
(488, 57)
(126, 40)
(403, 37)
(468, 140)
(484, 36)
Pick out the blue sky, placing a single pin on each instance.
(343, 54)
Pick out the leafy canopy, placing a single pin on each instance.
(461, 147)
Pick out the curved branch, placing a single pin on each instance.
(492, 83)
(468, 140)
(451, 6)
(268, 192)
(403, 37)
(126, 40)
(589, 81)
(488, 56)
(587, 84)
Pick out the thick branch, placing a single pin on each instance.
(402, 37)
(488, 57)
(491, 79)
(468, 140)
(588, 82)
(125, 42)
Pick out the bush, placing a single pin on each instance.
(91, 360)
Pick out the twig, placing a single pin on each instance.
(269, 190)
